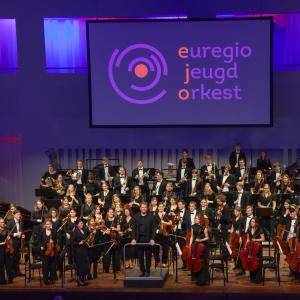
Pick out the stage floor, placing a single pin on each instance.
(106, 287)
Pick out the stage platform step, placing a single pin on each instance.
(155, 280)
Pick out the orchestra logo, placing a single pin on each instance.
(142, 66)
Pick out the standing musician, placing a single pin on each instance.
(253, 251)
(136, 198)
(111, 236)
(168, 194)
(81, 174)
(159, 185)
(140, 176)
(275, 177)
(242, 197)
(105, 196)
(153, 207)
(5, 259)
(80, 247)
(193, 185)
(199, 252)
(207, 212)
(106, 171)
(64, 208)
(267, 199)
(210, 196)
(74, 197)
(163, 224)
(183, 174)
(236, 155)
(264, 163)
(49, 177)
(223, 216)
(122, 182)
(242, 173)
(88, 208)
(95, 248)
(209, 171)
(91, 186)
(47, 242)
(16, 230)
(10, 213)
(226, 181)
(189, 161)
(69, 226)
(98, 215)
(126, 231)
(144, 232)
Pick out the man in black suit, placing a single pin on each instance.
(16, 230)
(159, 185)
(235, 156)
(122, 182)
(193, 185)
(140, 176)
(189, 161)
(144, 232)
(291, 229)
(106, 171)
(242, 197)
(81, 173)
(209, 171)
(226, 181)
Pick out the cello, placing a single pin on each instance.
(249, 256)
(186, 250)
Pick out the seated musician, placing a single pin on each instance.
(136, 198)
(274, 179)
(242, 197)
(242, 173)
(59, 186)
(160, 184)
(286, 186)
(140, 175)
(64, 208)
(189, 161)
(236, 229)
(183, 174)
(168, 194)
(199, 235)
(74, 197)
(153, 207)
(207, 212)
(256, 186)
(255, 235)
(91, 186)
(105, 196)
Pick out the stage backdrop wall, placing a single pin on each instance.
(51, 110)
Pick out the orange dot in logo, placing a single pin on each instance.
(141, 70)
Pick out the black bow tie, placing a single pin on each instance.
(181, 210)
(242, 168)
(141, 169)
(122, 176)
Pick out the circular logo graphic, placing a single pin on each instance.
(135, 73)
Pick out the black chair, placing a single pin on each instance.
(272, 264)
(66, 268)
(219, 262)
(31, 267)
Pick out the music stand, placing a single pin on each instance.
(265, 213)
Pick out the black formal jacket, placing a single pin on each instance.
(188, 187)
(232, 158)
(162, 187)
(13, 229)
(118, 186)
(230, 180)
(187, 173)
(101, 172)
(189, 163)
(245, 199)
(136, 172)
(148, 223)
(204, 170)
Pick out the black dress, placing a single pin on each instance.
(81, 258)
(49, 261)
(5, 260)
(127, 238)
(256, 276)
(202, 277)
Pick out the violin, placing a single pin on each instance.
(49, 249)
(9, 243)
